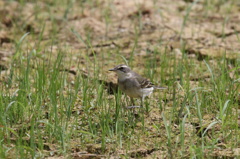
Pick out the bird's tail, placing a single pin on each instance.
(157, 87)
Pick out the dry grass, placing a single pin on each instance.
(59, 101)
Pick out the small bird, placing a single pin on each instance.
(132, 84)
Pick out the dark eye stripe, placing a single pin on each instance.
(123, 69)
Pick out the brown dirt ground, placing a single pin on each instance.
(206, 34)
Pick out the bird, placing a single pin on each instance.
(133, 84)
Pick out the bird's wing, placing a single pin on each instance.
(145, 83)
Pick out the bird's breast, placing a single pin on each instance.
(130, 87)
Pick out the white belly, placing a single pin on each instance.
(138, 92)
(133, 89)
(146, 91)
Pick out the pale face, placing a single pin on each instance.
(123, 71)
(123, 75)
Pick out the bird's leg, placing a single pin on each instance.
(133, 104)
(142, 101)
(145, 103)
(132, 100)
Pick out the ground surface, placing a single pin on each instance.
(58, 99)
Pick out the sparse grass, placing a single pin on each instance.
(48, 111)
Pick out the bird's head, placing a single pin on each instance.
(122, 70)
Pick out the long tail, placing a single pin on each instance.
(157, 87)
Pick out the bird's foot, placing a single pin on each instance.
(134, 106)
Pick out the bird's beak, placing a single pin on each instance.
(113, 69)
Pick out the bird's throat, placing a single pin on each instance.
(124, 76)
